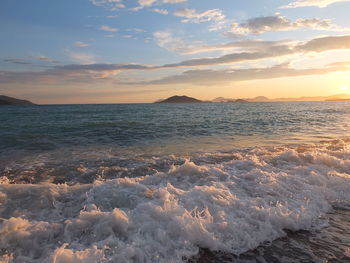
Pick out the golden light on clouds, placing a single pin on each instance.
(204, 51)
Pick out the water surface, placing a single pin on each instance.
(241, 182)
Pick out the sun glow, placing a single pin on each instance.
(344, 88)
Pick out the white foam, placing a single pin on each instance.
(232, 206)
(63, 255)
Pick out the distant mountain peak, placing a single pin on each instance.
(241, 100)
(179, 99)
(261, 98)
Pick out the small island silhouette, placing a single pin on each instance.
(5, 100)
(179, 99)
(186, 99)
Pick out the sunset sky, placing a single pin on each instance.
(118, 51)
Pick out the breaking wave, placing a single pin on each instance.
(230, 202)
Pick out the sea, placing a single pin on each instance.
(198, 183)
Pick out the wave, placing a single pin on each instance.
(230, 202)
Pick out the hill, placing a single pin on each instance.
(240, 100)
(179, 99)
(5, 100)
(348, 99)
(336, 97)
(259, 99)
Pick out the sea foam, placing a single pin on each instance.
(232, 205)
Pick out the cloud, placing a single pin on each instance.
(127, 36)
(18, 61)
(277, 50)
(101, 67)
(317, 3)
(136, 30)
(74, 73)
(325, 43)
(259, 25)
(148, 3)
(43, 58)
(109, 4)
(81, 57)
(89, 72)
(55, 77)
(172, 1)
(108, 29)
(33, 60)
(214, 77)
(81, 44)
(143, 3)
(192, 16)
(160, 11)
(168, 41)
(43, 77)
(247, 45)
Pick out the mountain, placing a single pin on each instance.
(319, 98)
(179, 99)
(337, 97)
(259, 99)
(241, 101)
(220, 99)
(5, 100)
(348, 99)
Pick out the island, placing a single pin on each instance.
(5, 100)
(241, 101)
(179, 99)
(347, 99)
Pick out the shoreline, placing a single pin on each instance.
(316, 245)
(164, 209)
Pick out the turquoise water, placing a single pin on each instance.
(209, 182)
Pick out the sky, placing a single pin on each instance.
(135, 51)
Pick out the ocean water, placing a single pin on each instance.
(211, 182)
